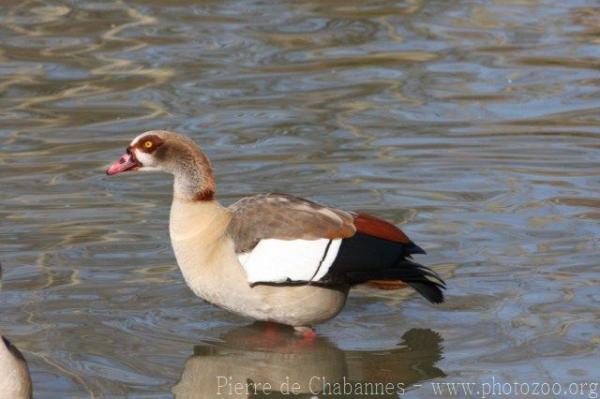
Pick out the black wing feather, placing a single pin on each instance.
(362, 258)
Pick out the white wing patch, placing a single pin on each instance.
(278, 261)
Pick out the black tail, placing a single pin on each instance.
(421, 278)
(363, 258)
(424, 280)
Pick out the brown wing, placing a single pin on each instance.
(372, 251)
(285, 217)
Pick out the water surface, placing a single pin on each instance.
(473, 124)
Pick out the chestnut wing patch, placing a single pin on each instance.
(375, 227)
(379, 228)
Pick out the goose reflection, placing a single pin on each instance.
(266, 361)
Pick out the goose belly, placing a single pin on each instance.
(217, 277)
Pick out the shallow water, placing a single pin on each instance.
(472, 124)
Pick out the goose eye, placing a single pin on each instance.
(148, 144)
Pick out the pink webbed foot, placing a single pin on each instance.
(306, 332)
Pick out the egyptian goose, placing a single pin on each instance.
(272, 257)
(15, 380)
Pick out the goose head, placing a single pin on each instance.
(164, 151)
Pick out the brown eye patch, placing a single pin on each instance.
(149, 143)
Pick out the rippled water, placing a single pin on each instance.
(473, 124)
